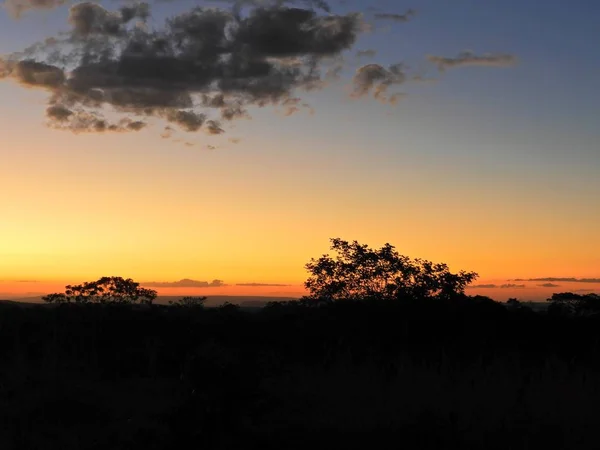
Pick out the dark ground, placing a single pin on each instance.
(352, 375)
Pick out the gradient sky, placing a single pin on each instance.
(491, 169)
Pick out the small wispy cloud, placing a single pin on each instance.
(409, 14)
(471, 59)
(262, 284)
(497, 286)
(184, 283)
(370, 53)
(483, 286)
(549, 285)
(561, 279)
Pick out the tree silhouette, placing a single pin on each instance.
(359, 272)
(189, 302)
(112, 290)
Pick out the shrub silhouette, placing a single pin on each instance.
(359, 272)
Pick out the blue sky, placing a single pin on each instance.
(552, 88)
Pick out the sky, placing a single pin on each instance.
(461, 132)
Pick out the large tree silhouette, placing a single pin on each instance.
(359, 272)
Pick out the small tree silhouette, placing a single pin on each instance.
(514, 304)
(112, 290)
(189, 302)
(359, 272)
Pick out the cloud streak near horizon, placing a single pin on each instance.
(471, 59)
(396, 17)
(497, 286)
(116, 71)
(560, 279)
(190, 283)
(184, 283)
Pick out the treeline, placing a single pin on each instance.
(155, 340)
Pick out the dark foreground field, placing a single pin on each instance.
(349, 375)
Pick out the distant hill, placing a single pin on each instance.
(245, 301)
(18, 302)
(252, 301)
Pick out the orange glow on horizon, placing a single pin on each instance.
(498, 289)
(79, 209)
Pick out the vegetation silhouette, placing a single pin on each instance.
(106, 290)
(359, 272)
(189, 302)
(384, 352)
(570, 304)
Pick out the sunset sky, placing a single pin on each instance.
(489, 162)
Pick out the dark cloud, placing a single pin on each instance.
(295, 32)
(214, 127)
(92, 19)
(167, 132)
(201, 60)
(201, 69)
(136, 125)
(262, 284)
(61, 117)
(184, 283)
(396, 17)
(237, 4)
(561, 279)
(376, 80)
(17, 7)
(58, 113)
(334, 73)
(293, 105)
(187, 120)
(32, 73)
(549, 285)
(470, 59)
(235, 140)
(512, 286)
